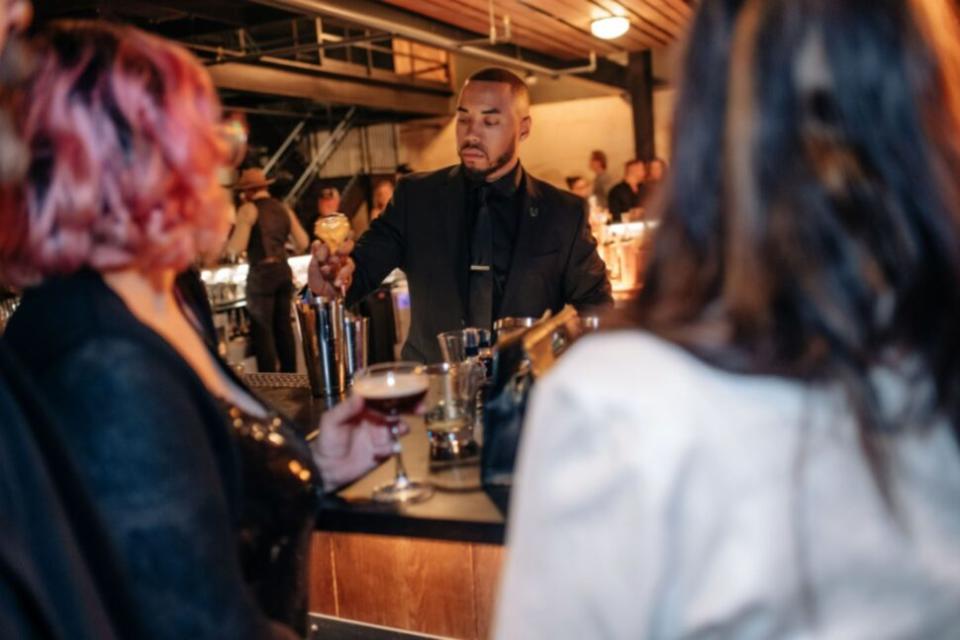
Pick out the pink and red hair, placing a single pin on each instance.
(123, 133)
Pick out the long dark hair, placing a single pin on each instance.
(810, 223)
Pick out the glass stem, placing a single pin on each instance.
(400, 478)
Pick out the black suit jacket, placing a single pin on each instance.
(424, 232)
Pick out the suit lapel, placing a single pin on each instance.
(531, 231)
(453, 210)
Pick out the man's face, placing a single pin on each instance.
(582, 188)
(490, 126)
(596, 166)
(636, 173)
(382, 194)
(329, 204)
(656, 170)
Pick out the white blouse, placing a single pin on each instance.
(659, 497)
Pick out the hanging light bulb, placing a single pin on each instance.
(610, 27)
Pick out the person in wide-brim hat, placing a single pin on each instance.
(252, 178)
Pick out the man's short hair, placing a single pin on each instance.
(599, 156)
(518, 88)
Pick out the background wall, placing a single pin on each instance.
(663, 100)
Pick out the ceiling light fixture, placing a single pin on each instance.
(610, 27)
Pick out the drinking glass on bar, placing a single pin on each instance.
(451, 406)
(461, 344)
(393, 389)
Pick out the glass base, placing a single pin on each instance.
(403, 492)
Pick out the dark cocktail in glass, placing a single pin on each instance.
(394, 389)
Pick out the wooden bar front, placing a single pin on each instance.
(430, 567)
(429, 586)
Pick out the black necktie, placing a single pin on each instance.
(481, 265)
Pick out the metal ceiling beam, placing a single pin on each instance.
(268, 111)
(274, 81)
(301, 48)
(226, 12)
(382, 18)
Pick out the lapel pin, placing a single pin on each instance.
(534, 212)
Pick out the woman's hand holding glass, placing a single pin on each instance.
(352, 442)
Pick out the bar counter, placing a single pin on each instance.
(459, 510)
(429, 568)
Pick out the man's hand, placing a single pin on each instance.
(352, 441)
(330, 273)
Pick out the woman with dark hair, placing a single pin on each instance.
(209, 495)
(770, 449)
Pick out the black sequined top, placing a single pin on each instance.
(281, 487)
(208, 523)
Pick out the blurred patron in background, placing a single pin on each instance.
(602, 181)
(657, 169)
(578, 185)
(382, 193)
(328, 204)
(771, 448)
(627, 198)
(263, 228)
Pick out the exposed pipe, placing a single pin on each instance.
(493, 25)
(301, 48)
(332, 9)
(494, 38)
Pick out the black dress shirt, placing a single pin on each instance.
(505, 201)
(622, 198)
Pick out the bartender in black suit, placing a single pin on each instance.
(478, 241)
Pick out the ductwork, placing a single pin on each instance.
(369, 19)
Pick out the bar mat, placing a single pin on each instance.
(322, 627)
(277, 380)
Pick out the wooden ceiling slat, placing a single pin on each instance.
(643, 11)
(522, 12)
(545, 24)
(665, 8)
(473, 16)
(652, 26)
(561, 28)
(681, 7)
(582, 14)
(547, 27)
(577, 13)
(469, 20)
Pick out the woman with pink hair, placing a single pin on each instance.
(210, 496)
